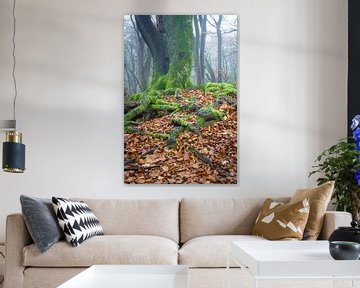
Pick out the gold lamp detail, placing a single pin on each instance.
(13, 160)
(13, 153)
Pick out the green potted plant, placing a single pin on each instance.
(341, 163)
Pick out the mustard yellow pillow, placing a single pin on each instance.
(319, 198)
(279, 221)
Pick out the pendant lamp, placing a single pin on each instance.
(13, 160)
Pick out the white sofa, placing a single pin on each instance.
(194, 232)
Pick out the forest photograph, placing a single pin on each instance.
(180, 99)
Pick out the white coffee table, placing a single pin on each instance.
(285, 260)
(131, 276)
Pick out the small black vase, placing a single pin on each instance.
(344, 250)
(351, 233)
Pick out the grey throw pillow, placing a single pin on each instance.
(41, 221)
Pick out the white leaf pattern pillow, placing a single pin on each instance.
(76, 220)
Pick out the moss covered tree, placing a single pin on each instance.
(170, 43)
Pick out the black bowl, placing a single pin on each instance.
(344, 250)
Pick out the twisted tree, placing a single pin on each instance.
(170, 43)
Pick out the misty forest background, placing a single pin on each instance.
(180, 90)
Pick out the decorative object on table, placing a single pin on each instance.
(344, 233)
(279, 221)
(341, 163)
(319, 198)
(13, 149)
(180, 99)
(344, 250)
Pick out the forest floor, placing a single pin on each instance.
(203, 150)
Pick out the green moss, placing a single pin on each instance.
(201, 121)
(167, 108)
(160, 104)
(178, 121)
(181, 122)
(170, 91)
(221, 89)
(176, 131)
(150, 103)
(134, 113)
(162, 136)
(192, 100)
(135, 97)
(201, 87)
(159, 83)
(208, 113)
(130, 129)
(179, 39)
(171, 142)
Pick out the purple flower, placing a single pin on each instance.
(357, 176)
(357, 147)
(356, 134)
(355, 122)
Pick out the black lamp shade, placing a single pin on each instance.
(13, 157)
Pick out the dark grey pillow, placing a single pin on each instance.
(41, 221)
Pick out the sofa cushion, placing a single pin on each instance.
(319, 198)
(279, 221)
(107, 249)
(41, 221)
(211, 251)
(158, 217)
(77, 220)
(200, 217)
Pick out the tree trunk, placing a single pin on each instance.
(171, 49)
(179, 36)
(202, 20)
(147, 66)
(219, 48)
(155, 40)
(197, 50)
(211, 76)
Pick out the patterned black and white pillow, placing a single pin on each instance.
(77, 220)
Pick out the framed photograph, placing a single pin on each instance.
(180, 106)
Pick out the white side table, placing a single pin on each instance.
(286, 261)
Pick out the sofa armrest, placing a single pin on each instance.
(333, 220)
(17, 237)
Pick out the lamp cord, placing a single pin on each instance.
(14, 61)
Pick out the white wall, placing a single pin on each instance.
(293, 62)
